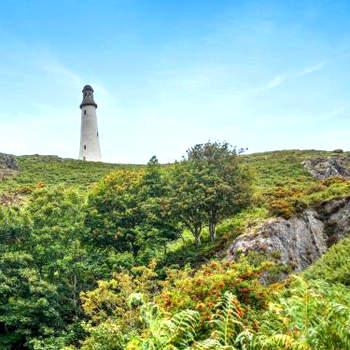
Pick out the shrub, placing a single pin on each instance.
(333, 180)
(200, 290)
(282, 208)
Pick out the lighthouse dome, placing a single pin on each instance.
(88, 97)
(88, 87)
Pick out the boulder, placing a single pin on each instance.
(300, 240)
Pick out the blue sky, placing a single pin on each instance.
(168, 74)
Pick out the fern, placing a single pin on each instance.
(310, 315)
(227, 324)
(227, 320)
(181, 329)
(161, 333)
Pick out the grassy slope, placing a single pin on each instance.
(277, 177)
(269, 170)
(54, 171)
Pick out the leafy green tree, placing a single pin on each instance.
(55, 243)
(126, 211)
(43, 259)
(186, 197)
(160, 225)
(114, 214)
(208, 186)
(225, 185)
(28, 304)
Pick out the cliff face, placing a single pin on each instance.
(298, 241)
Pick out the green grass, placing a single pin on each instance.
(280, 168)
(270, 169)
(333, 266)
(55, 171)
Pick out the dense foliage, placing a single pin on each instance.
(133, 262)
(207, 187)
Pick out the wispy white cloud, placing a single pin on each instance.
(312, 69)
(276, 81)
(283, 78)
(273, 83)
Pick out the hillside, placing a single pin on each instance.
(53, 170)
(38, 171)
(105, 256)
(270, 169)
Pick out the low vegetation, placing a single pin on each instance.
(102, 256)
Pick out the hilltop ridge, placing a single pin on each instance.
(53, 169)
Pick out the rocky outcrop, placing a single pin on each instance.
(336, 216)
(8, 162)
(322, 168)
(8, 167)
(299, 241)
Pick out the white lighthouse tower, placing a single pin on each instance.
(89, 139)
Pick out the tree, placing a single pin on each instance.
(226, 186)
(208, 186)
(161, 226)
(187, 194)
(114, 212)
(43, 268)
(28, 303)
(126, 211)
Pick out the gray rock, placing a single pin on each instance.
(336, 216)
(8, 162)
(298, 241)
(322, 168)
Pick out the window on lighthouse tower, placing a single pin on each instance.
(84, 111)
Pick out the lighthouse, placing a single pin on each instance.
(89, 138)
